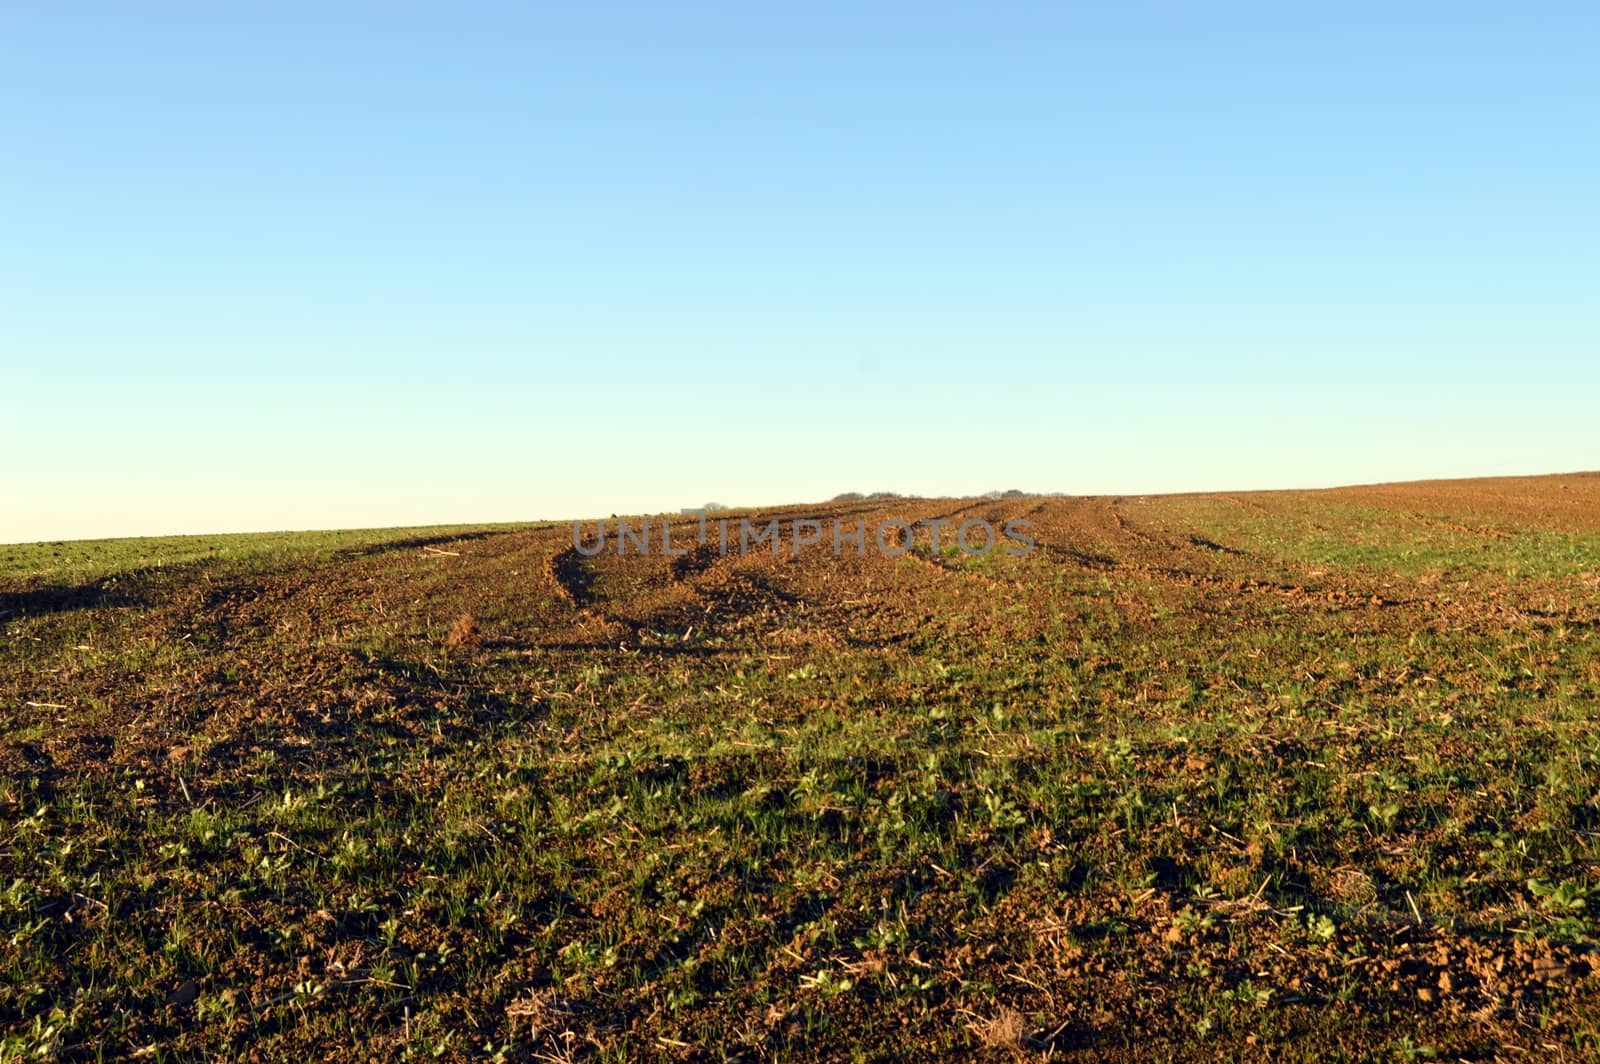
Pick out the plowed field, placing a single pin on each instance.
(1270, 775)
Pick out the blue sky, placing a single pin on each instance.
(290, 266)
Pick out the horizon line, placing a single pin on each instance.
(864, 496)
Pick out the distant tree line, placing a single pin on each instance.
(856, 496)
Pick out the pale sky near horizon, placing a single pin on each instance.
(308, 266)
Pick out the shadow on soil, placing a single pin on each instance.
(59, 598)
(417, 542)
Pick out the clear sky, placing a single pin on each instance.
(326, 265)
